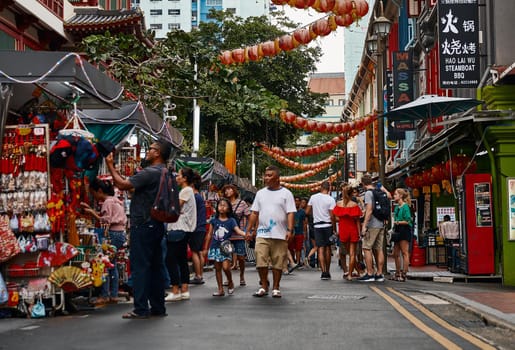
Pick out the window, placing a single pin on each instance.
(341, 102)
(213, 2)
(154, 0)
(329, 102)
(174, 26)
(231, 10)
(174, 12)
(156, 26)
(156, 12)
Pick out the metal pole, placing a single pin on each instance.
(380, 120)
(196, 122)
(253, 169)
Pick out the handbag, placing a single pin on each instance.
(38, 309)
(9, 246)
(4, 294)
(226, 247)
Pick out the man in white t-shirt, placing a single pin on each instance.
(274, 211)
(321, 205)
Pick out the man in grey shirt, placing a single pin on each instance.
(372, 234)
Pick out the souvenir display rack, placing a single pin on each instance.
(24, 193)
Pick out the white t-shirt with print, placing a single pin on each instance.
(273, 207)
(322, 204)
(188, 219)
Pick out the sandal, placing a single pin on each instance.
(276, 293)
(225, 284)
(260, 293)
(134, 316)
(218, 294)
(243, 283)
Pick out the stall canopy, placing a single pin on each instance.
(214, 172)
(116, 125)
(63, 78)
(61, 74)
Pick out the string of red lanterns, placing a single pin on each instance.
(347, 12)
(325, 127)
(312, 185)
(301, 166)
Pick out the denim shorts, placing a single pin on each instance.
(239, 247)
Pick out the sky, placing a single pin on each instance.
(331, 45)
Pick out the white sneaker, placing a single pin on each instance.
(173, 297)
(185, 296)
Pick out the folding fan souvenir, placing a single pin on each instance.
(70, 278)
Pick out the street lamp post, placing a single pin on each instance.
(376, 45)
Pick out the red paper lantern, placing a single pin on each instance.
(287, 42)
(302, 35)
(321, 127)
(280, 2)
(338, 128)
(342, 7)
(344, 20)
(324, 5)
(361, 7)
(226, 57)
(311, 125)
(253, 53)
(321, 27)
(457, 164)
(290, 117)
(238, 55)
(329, 128)
(439, 172)
(268, 48)
(301, 122)
(302, 4)
(336, 141)
(408, 181)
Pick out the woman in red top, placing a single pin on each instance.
(348, 213)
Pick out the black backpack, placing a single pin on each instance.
(166, 207)
(381, 207)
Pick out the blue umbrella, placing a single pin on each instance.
(431, 106)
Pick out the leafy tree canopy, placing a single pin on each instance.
(240, 101)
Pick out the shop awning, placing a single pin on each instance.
(443, 140)
(63, 75)
(115, 124)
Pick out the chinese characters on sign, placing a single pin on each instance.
(483, 205)
(458, 31)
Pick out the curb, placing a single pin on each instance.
(488, 318)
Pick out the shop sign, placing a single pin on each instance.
(483, 205)
(402, 78)
(458, 32)
(351, 165)
(511, 208)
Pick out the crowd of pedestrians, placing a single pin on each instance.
(281, 231)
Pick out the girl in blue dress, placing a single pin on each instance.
(223, 225)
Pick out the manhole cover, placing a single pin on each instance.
(336, 297)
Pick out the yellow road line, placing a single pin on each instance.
(446, 343)
(467, 336)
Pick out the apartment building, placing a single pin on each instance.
(165, 15)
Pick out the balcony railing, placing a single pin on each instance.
(55, 6)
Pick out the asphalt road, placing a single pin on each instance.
(312, 314)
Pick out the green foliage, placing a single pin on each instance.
(241, 101)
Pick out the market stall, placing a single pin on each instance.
(45, 152)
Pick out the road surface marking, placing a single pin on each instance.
(467, 336)
(446, 343)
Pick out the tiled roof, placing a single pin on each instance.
(327, 83)
(92, 20)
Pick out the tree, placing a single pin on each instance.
(242, 100)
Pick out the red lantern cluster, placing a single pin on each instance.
(325, 127)
(358, 8)
(275, 153)
(460, 164)
(347, 11)
(311, 186)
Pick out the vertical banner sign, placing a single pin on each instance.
(402, 78)
(458, 30)
(351, 165)
(371, 143)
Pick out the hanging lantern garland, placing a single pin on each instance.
(325, 127)
(312, 185)
(347, 12)
(301, 166)
(359, 8)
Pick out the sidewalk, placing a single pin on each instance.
(482, 295)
